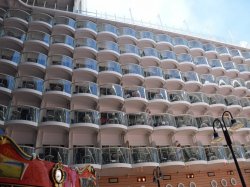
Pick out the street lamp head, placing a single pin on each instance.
(217, 138)
(235, 125)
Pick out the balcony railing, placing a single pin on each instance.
(21, 14)
(200, 60)
(156, 93)
(170, 154)
(145, 35)
(108, 45)
(222, 50)
(62, 60)
(150, 52)
(231, 100)
(194, 153)
(113, 117)
(6, 81)
(132, 69)
(86, 24)
(144, 154)
(55, 114)
(238, 83)
(238, 151)
(129, 48)
(223, 81)
(86, 42)
(207, 78)
(197, 97)
(62, 39)
(135, 91)
(204, 121)
(162, 120)
(10, 54)
(64, 20)
(34, 57)
(209, 47)
(172, 74)
(41, 17)
(243, 67)
(235, 53)
(111, 155)
(104, 27)
(33, 83)
(111, 89)
(110, 66)
(3, 112)
(137, 119)
(38, 35)
(178, 96)
(245, 102)
(185, 121)
(85, 87)
(127, 31)
(184, 58)
(247, 151)
(229, 65)
(215, 63)
(57, 85)
(163, 38)
(216, 99)
(180, 41)
(13, 32)
(190, 76)
(215, 153)
(167, 55)
(27, 149)
(27, 113)
(153, 71)
(82, 116)
(86, 63)
(195, 44)
(86, 155)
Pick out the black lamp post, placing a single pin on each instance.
(234, 126)
(157, 175)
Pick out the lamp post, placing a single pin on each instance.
(234, 126)
(157, 175)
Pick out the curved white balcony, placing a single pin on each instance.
(138, 122)
(86, 119)
(144, 157)
(145, 39)
(129, 53)
(133, 74)
(192, 81)
(108, 50)
(180, 45)
(127, 35)
(6, 85)
(223, 53)
(106, 31)
(27, 86)
(217, 104)
(245, 103)
(9, 59)
(63, 25)
(217, 67)
(112, 120)
(194, 156)
(149, 57)
(62, 44)
(85, 28)
(240, 88)
(171, 157)
(210, 51)
(209, 84)
(111, 96)
(185, 62)
(153, 77)
(3, 114)
(36, 40)
(14, 35)
(83, 156)
(50, 153)
(244, 70)
(85, 92)
(41, 19)
(236, 56)
(168, 59)
(205, 124)
(225, 87)
(231, 69)
(18, 16)
(196, 48)
(158, 101)
(59, 66)
(85, 47)
(163, 123)
(134, 99)
(233, 105)
(201, 65)
(246, 56)
(179, 102)
(239, 154)
(186, 124)
(56, 89)
(35, 60)
(109, 72)
(163, 42)
(85, 69)
(55, 117)
(22, 116)
(216, 156)
(173, 79)
(199, 103)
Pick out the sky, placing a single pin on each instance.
(226, 20)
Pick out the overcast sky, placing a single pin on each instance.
(225, 19)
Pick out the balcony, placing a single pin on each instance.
(163, 42)
(2, 13)
(3, 113)
(223, 53)
(13, 34)
(53, 154)
(216, 156)
(245, 103)
(6, 84)
(133, 74)
(85, 28)
(217, 104)
(225, 86)
(42, 19)
(236, 56)
(134, 99)
(231, 69)
(17, 15)
(210, 51)
(85, 47)
(55, 117)
(171, 156)
(146, 39)
(106, 32)
(27, 149)
(243, 120)
(9, 59)
(144, 157)
(209, 84)
(109, 72)
(179, 102)
(205, 124)
(108, 50)
(35, 38)
(149, 57)
(244, 70)
(247, 152)
(199, 103)
(158, 101)
(239, 86)
(153, 77)
(88, 119)
(22, 115)
(138, 122)
(59, 64)
(127, 35)
(112, 120)
(180, 45)
(246, 56)
(194, 156)
(196, 48)
(173, 80)
(129, 53)
(217, 67)
(63, 22)
(163, 122)
(238, 151)
(60, 42)
(192, 81)
(185, 62)
(168, 59)
(201, 65)
(186, 124)
(87, 155)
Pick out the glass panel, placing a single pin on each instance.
(238, 151)
(172, 74)
(215, 63)
(163, 38)
(222, 50)
(162, 120)
(132, 69)
(156, 93)
(112, 155)
(209, 47)
(86, 63)
(194, 153)
(167, 55)
(235, 53)
(144, 154)
(222, 81)
(18, 14)
(107, 27)
(196, 97)
(137, 119)
(6, 81)
(246, 55)
(33, 83)
(243, 67)
(195, 44)
(146, 35)
(170, 154)
(38, 35)
(184, 58)
(127, 31)
(180, 41)
(3, 112)
(247, 151)
(153, 71)
(238, 83)
(200, 60)
(216, 99)
(110, 66)
(245, 101)
(128, 48)
(85, 87)
(185, 121)
(34, 57)
(111, 89)
(10, 54)
(2, 12)
(207, 78)
(108, 45)
(215, 152)
(60, 60)
(89, 42)
(41, 17)
(86, 24)
(149, 52)
(178, 96)
(242, 120)
(229, 65)
(64, 20)
(86, 155)
(57, 85)
(55, 114)
(204, 121)
(27, 149)
(112, 118)
(136, 91)
(53, 154)
(13, 32)
(89, 116)
(190, 76)
(65, 39)
(28, 113)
